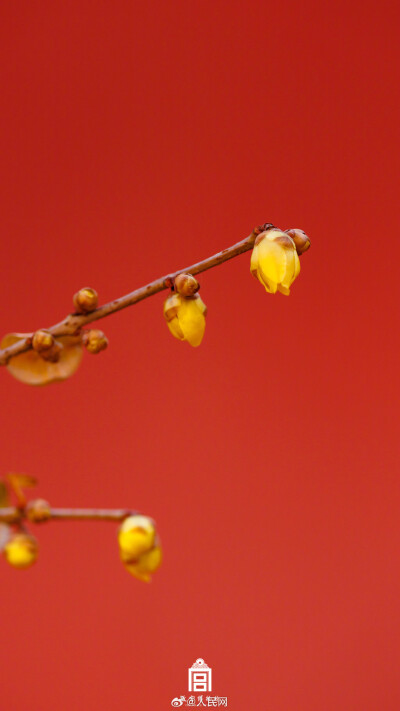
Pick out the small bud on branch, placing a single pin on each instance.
(86, 300)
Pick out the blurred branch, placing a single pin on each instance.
(72, 324)
(13, 514)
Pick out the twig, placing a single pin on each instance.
(13, 514)
(72, 324)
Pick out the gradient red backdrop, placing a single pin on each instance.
(137, 138)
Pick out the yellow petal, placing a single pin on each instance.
(150, 562)
(136, 536)
(292, 269)
(171, 306)
(30, 368)
(147, 564)
(200, 304)
(272, 261)
(175, 328)
(192, 321)
(296, 265)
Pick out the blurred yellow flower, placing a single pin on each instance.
(274, 261)
(21, 551)
(139, 546)
(185, 317)
(34, 369)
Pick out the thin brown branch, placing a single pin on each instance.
(72, 324)
(12, 514)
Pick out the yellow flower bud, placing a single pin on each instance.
(186, 284)
(48, 366)
(185, 316)
(86, 300)
(21, 551)
(139, 546)
(38, 511)
(94, 340)
(301, 240)
(274, 261)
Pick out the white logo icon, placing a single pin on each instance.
(200, 685)
(199, 676)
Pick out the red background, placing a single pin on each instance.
(137, 138)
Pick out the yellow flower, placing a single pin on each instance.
(274, 261)
(185, 316)
(139, 546)
(33, 368)
(135, 536)
(21, 551)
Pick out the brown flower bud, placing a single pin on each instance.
(42, 341)
(94, 340)
(301, 240)
(38, 511)
(86, 300)
(263, 228)
(186, 284)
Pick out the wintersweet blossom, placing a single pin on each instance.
(139, 546)
(274, 261)
(185, 317)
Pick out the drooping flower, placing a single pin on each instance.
(274, 261)
(139, 546)
(185, 317)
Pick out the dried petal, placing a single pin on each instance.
(31, 368)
